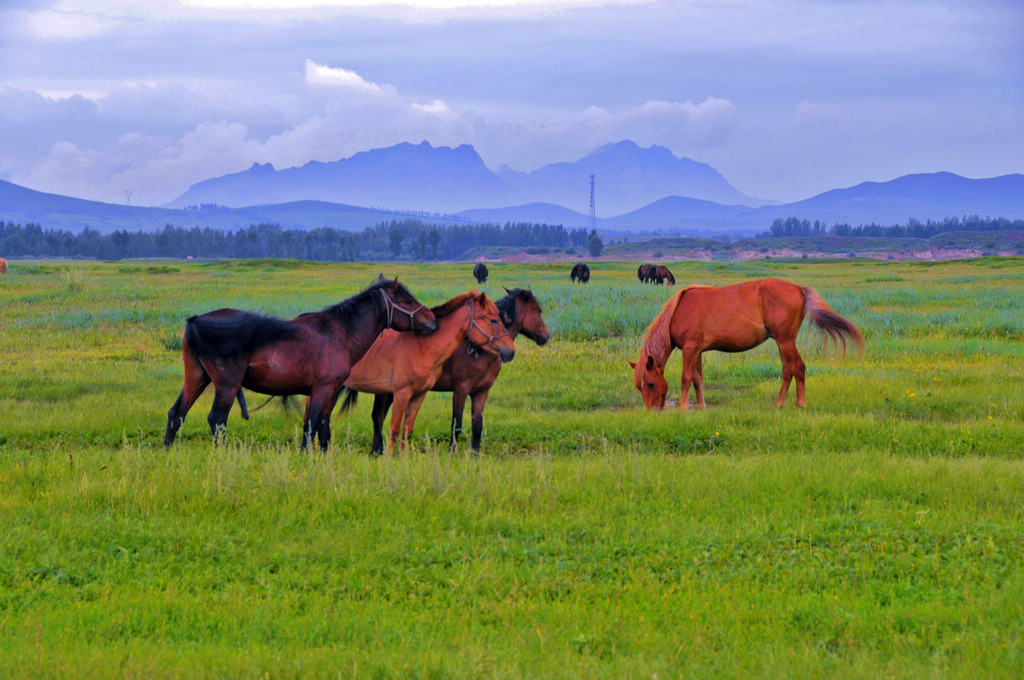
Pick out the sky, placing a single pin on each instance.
(785, 98)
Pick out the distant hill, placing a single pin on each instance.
(52, 211)
(442, 179)
(404, 177)
(923, 197)
(930, 196)
(627, 177)
(537, 213)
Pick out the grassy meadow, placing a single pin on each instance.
(877, 533)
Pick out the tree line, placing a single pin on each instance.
(407, 239)
(794, 226)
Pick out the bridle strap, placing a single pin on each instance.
(390, 306)
(473, 322)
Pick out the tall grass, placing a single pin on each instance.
(874, 533)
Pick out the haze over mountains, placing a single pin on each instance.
(636, 189)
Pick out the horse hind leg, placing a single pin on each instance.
(323, 432)
(792, 367)
(218, 418)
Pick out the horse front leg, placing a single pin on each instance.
(792, 367)
(196, 380)
(698, 382)
(458, 407)
(409, 422)
(691, 357)
(398, 409)
(381, 404)
(478, 401)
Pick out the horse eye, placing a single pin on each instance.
(494, 322)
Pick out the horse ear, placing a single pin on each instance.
(507, 290)
(380, 277)
(650, 362)
(481, 299)
(632, 364)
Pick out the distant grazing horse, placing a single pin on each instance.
(470, 372)
(311, 354)
(580, 273)
(646, 272)
(662, 274)
(403, 367)
(3, 266)
(480, 272)
(733, 319)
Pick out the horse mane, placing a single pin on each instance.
(658, 337)
(347, 310)
(446, 308)
(507, 304)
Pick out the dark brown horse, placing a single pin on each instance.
(480, 272)
(646, 272)
(472, 370)
(580, 273)
(662, 274)
(311, 354)
(403, 367)
(733, 319)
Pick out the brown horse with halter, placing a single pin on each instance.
(471, 373)
(733, 319)
(404, 367)
(311, 354)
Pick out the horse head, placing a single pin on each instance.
(486, 331)
(526, 314)
(404, 312)
(649, 378)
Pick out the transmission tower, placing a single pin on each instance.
(593, 210)
(127, 196)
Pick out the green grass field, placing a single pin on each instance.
(876, 533)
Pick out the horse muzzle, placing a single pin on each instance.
(425, 327)
(506, 355)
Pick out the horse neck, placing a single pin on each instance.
(450, 334)
(371, 323)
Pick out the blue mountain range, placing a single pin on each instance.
(636, 189)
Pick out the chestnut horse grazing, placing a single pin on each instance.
(404, 367)
(471, 370)
(3, 266)
(311, 354)
(733, 319)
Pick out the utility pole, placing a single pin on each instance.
(593, 210)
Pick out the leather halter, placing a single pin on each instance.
(473, 322)
(390, 306)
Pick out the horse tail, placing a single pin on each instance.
(237, 334)
(829, 322)
(351, 397)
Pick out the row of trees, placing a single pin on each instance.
(407, 239)
(912, 229)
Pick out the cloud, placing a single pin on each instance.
(318, 74)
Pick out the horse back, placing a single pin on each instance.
(231, 333)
